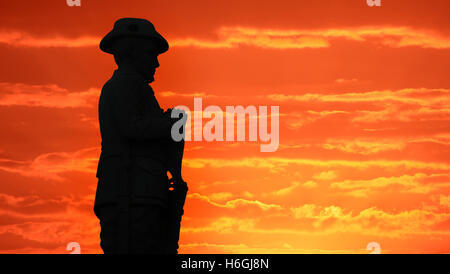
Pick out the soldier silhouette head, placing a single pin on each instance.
(135, 44)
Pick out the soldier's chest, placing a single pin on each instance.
(147, 101)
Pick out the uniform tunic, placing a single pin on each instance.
(135, 134)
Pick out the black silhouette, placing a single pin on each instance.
(139, 208)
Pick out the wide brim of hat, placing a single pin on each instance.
(106, 43)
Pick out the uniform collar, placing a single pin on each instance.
(122, 72)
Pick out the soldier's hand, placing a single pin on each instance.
(178, 184)
(181, 185)
(168, 112)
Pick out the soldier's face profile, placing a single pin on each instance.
(147, 59)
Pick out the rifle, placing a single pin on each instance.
(177, 189)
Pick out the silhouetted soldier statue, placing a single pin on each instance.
(139, 208)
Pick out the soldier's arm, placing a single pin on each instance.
(134, 125)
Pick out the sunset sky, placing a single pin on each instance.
(364, 110)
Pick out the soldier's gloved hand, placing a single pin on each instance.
(182, 185)
(168, 111)
(178, 184)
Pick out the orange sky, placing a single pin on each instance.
(364, 98)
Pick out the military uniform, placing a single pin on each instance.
(137, 212)
(134, 134)
(132, 122)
